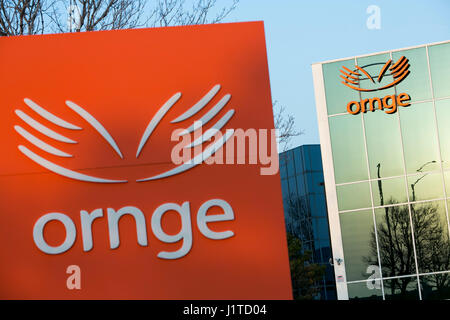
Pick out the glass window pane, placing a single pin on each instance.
(394, 241)
(443, 118)
(317, 178)
(307, 152)
(353, 196)
(419, 137)
(308, 245)
(317, 257)
(309, 183)
(373, 65)
(284, 187)
(425, 186)
(327, 255)
(313, 205)
(447, 183)
(431, 236)
(297, 210)
(315, 157)
(298, 160)
(322, 228)
(384, 145)
(285, 193)
(337, 94)
(290, 164)
(389, 191)
(357, 240)
(321, 206)
(417, 82)
(435, 287)
(365, 291)
(440, 69)
(401, 289)
(301, 185)
(349, 156)
(283, 172)
(292, 187)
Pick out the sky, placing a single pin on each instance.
(300, 32)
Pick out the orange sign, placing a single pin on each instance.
(361, 80)
(93, 205)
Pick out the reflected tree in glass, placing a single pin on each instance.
(305, 274)
(396, 245)
(435, 286)
(395, 242)
(299, 223)
(431, 239)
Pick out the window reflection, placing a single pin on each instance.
(425, 186)
(384, 147)
(283, 173)
(336, 93)
(417, 83)
(389, 191)
(394, 240)
(321, 228)
(419, 137)
(365, 291)
(300, 224)
(401, 289)
(440, 69)
(301, 187)
(353, 196)
(292, 184)
(443, 118)
(357, 232)
(435, 287)
(298, 159)
(290, 168)
(349, 156)
(321, 210)
(431, 236)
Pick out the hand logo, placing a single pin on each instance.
(353, 78)
(190, 113)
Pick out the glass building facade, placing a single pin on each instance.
(305, 210)
(387, 175)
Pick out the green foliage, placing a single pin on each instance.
(304, 274)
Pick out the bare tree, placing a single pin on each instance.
(90, 15)
(23, 17)
(285, 124)
(176, 12)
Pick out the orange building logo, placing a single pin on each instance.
(88, 186)
(361, 80)
(354, 78)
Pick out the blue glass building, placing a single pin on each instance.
(305, 208)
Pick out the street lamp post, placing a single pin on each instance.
(413, 185)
